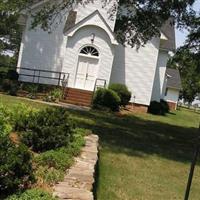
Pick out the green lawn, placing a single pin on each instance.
(142, 157)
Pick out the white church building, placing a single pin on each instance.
(83, 50)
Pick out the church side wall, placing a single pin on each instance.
(136, 69)
(41, 50)
(159, 81)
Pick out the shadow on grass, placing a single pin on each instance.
(171, 113)
(138, 137)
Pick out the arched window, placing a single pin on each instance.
(90, 51)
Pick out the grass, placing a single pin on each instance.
(142, 156)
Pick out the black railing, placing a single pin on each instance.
(36, 75)
(99, 83)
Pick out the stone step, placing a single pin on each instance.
(79, 180)
(73, 193)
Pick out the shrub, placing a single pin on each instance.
(32, 89)
(158, 108)
(164, 106)
(19, 116)
(15, 166)
(49, 175)
(58, 159)
(6, 85)
(106, 98)
(51, 165)
(155, 108)
(48, 129)
(5, 126)
(98, 97)
(62, 158)
(12, 74)
(10, 86)
(78, 142)
(34, 194)
(42, 88)
(54, 95)
(122, 91)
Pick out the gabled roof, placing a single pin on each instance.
(87, 21)
(34, 4)
(169, 31)
(174, 79)
(71, 21)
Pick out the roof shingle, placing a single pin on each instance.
(174, 80)
(169, 31)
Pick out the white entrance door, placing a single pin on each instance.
(86, 73)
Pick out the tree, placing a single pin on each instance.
(10, 35)
(188, 63)
(142, 21)
(193, 38)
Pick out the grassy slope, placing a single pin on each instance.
(142, 157)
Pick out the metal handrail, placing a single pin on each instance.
(37, 75)
(96, 86)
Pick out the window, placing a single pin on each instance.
(90, 51)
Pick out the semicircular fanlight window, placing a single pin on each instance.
(90, 51)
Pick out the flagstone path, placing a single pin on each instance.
(79, 180)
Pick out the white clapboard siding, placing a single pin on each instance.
(136, 69)
(159, 86)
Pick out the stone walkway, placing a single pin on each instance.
(79, 180)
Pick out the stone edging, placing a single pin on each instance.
(79, 180)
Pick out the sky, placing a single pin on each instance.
(181, 35)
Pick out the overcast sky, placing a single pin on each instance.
(181, 35)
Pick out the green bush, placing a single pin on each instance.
(51, 165)
(54, 95)
(78, 142)
(164, 106)
(58, 159)
(12, 74)
(40, 88)
(10, 86)
(62, 158)
(158, 108)
(48, 129)
(155, 108)
(122, 91)
(33, 194)
(5, 126)
(15, 166)
(19, 116)
(32, 89)
(48, 175)
(106, 98)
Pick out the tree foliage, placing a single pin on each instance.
(138, 20)
(10, 34)
(188, 63)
